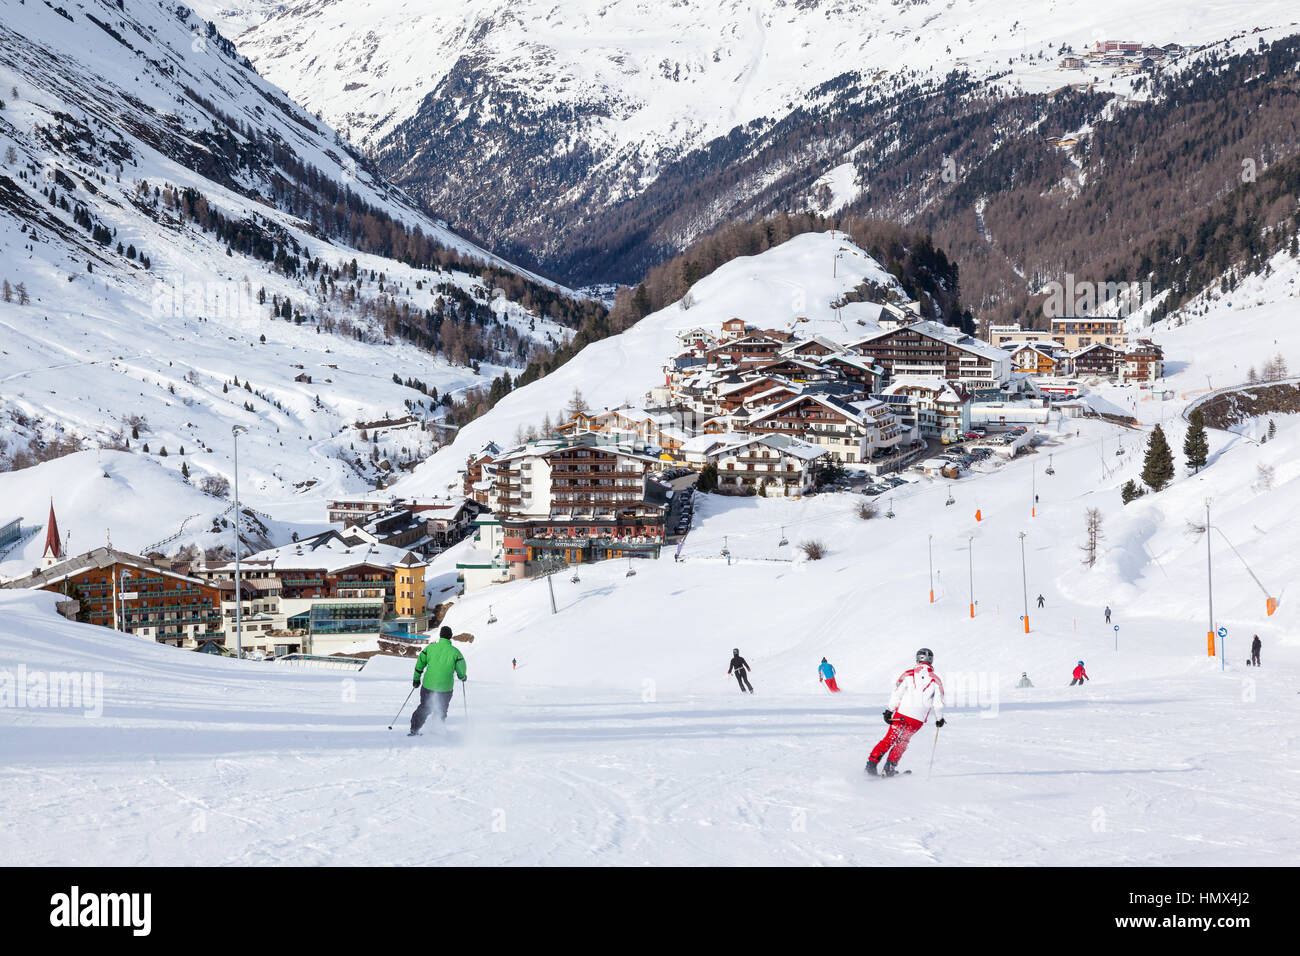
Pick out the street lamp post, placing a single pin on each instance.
(930, 549)
(119, 599)
(970, 558)
(1033, 490)
(236, 431)
(1024, 580)
(1209, 581)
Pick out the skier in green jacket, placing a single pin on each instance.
(434, 669)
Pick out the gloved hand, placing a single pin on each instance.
(940, 722)
(462, 680)
(889, 716)
(415, 682)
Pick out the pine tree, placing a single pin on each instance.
(1196, 446)
(1158, 465)
(708, 480)
(1130, 491)
(1272, 428)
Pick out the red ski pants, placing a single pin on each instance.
(896, 740)
(832, 686)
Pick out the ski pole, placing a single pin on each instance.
(402, 708)
(464, 699)
(933, 749)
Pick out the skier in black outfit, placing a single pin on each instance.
(740, 668)
(1107, 613)
(1041, 600)
(1255, 645)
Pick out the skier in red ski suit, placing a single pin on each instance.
(1080, 675)
(917, 691)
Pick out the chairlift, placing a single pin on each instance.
(951, 500)
(575, 579)
(725, 553)
(1049, 469)
(631, 571)
(890, 512)
(492, 618)
(784, 540)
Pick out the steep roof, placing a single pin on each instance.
(53, 546)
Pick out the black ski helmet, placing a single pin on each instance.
(736, 651)
(925, 656)
(823, 660)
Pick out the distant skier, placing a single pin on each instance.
(741, 669)
(1041, 600)
(826, 674)
(514, 664)
(917, 691)
(435, 668)
(1024, 680)
(1080, 675)
(1107, 613)
(1255, 646)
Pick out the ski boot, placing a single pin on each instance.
(870, 769)
(890, 769)
(415, 733)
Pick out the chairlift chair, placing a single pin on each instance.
(492, 618)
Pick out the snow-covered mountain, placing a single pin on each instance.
(183, 249)
(580, 107)
(650, 80)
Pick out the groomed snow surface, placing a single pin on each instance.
(620, 738)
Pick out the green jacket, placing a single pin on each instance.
(438, 662)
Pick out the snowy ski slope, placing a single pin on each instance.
(620, 738)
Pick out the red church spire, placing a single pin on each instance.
(53, 546)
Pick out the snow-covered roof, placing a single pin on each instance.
(942, 333)
(795, 447)
(328, 552)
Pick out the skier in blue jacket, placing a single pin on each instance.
(826, 674)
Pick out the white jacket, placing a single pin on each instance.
(916, 692)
